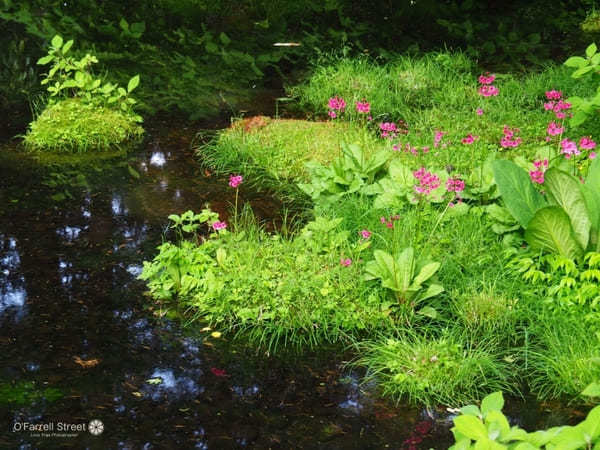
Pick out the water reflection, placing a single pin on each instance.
(164, 385)
(13, 294)
(158, 159)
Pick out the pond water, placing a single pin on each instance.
(80, 341)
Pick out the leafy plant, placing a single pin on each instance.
(567, 222)
(588, 66)
(69, 77)
(353, 172)
(408, 277)
(488, 428)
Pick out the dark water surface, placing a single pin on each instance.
(80, 341)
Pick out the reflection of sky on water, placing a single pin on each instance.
(13, 295)
(165, 384)
(117, 206)
(69, 233)
(158, 159)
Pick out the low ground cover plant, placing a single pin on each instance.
(84, 112)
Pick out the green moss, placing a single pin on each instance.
(25, 392)
(73, 126)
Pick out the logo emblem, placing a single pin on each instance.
(96, 427)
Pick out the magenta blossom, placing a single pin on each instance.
(337, 103)
(537, 176)
(554, 129)
(427, 181)
(388, 130)
(509, 140)
(438, 138)
(479, 112)
(455, 185)
(365, 234)
(346, 262)
(469, 139)
(488, 90)
(363, 107)
(592, 155)
(569, 148)
(219, 226)
(586, 143)
(332, 114)
(487, 78)
(553, 95)
(235, 180)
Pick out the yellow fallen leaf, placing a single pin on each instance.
(216, 334)
(137, 394)
(206, 329)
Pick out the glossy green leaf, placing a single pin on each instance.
(57, 41)
(470, 426)
(492, 402)
(550, 230)
(133, 83)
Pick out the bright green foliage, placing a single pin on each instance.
(84, 113)
(73, 126)
(589, 66)
(429, 370)
(26, 393)
(569, 224)
(488, 428)
(277, 292)
(353, 172)
(407, 276)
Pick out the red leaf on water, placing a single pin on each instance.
(218, 372)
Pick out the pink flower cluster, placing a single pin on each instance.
(455, 185)
(586, 143)
(479, 112)
(469, 139)
(336, 105)
(346, 262)
(486, 78)
(365, 234)
(487, 89)
(556, 104)
(569, 148)
(219, 226)
(409, 148)
(509, 140)
(427, 181)
(363, 107)
(537, 175)
(235, 180)
(389, 130)
(554, 129)
(389, 222)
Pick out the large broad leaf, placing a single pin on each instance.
(519, 195)
(426, 273)
(432, 291)
(401, 174)
(405, 268)
(550, 230)
(565, 190)
(591, 193)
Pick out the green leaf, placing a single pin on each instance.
(470, 426)
(518, 193)
(124, 25)
(492, 402)
(471, 410)
(67, 46)
(582, 71)
(566, 191)
(592, 390)
(432, 291)
(134, 173)
(57, 41)
(224, 39)
(426, 273)
(575, 61)
(133, 83)
(591, 193)
(405, 268)
(45, 59)
(550, 230)
(591, 50)
(428, 311)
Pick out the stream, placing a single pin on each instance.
(79, 340)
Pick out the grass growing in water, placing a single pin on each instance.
(73, 126)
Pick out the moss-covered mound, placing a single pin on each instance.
(73, 126)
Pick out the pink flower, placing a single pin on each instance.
(425, 149)
(395, 217)
(388, 130)
(332, 114)
(488, 90)
(389, 224)
(554, 129)
(235, 181)
(549, 106)
(540, 163)
(569, 148)
(469, 139)
(586, 143)
(487, 78)
(507, 141)
(592, 155)
(438, 138)
(479, 112)
(537, 176)
(383, 219)
(346, 262)
(560, 105)
(365, 234)
(553, 95)
(219, 226)
(560, 115)
(427, 181)
(363, 107)
(336, 103)
(455, 185)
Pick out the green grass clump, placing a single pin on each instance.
(449, 369)
(566, 360)
(72, 126)
(273, 153)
